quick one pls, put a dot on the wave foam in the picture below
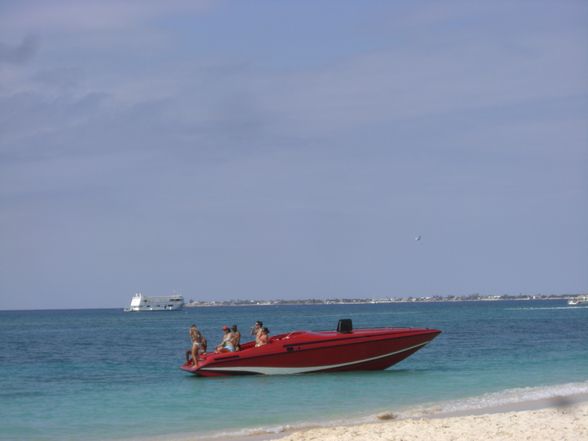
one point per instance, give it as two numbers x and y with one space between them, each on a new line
484 402
538 308
493 400
487 401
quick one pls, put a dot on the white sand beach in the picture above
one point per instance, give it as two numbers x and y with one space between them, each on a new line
564 421
563 418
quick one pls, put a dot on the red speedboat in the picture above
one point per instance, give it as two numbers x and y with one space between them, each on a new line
318 351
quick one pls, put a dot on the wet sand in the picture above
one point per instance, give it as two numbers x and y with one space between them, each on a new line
562 418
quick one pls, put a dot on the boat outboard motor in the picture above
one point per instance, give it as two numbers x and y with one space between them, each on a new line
345 326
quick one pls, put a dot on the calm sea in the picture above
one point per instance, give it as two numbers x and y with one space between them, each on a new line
104 374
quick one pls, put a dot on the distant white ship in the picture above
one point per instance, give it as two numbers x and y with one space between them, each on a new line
139 302
580 300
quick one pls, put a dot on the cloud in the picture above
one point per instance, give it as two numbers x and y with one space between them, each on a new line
62 79
142 130
72 15
392 85
20 53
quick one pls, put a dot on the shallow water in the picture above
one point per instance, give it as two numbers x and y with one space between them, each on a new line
104 374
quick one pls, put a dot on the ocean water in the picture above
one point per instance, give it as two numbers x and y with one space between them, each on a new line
107 375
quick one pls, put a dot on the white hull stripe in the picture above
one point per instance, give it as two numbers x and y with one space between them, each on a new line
294 370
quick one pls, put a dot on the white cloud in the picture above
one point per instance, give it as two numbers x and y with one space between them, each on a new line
126 127
74 15
19 53
391 85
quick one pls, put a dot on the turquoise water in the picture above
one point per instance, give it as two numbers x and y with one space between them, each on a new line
103 374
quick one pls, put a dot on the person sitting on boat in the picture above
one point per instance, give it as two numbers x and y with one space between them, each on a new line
227 344
263 337
236 340
198 344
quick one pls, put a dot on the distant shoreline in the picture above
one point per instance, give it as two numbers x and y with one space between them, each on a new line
372 301
344 301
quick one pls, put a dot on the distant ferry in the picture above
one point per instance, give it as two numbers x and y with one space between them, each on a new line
580 300
139 302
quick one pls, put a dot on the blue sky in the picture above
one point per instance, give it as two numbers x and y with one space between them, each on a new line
269 149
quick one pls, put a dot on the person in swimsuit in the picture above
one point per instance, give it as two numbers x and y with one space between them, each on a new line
256 331
227 344
236 338
198 344
263 338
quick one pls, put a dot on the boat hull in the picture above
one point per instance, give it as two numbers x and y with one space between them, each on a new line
307 352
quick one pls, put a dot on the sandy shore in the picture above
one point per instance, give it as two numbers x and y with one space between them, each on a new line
564 421
561 418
